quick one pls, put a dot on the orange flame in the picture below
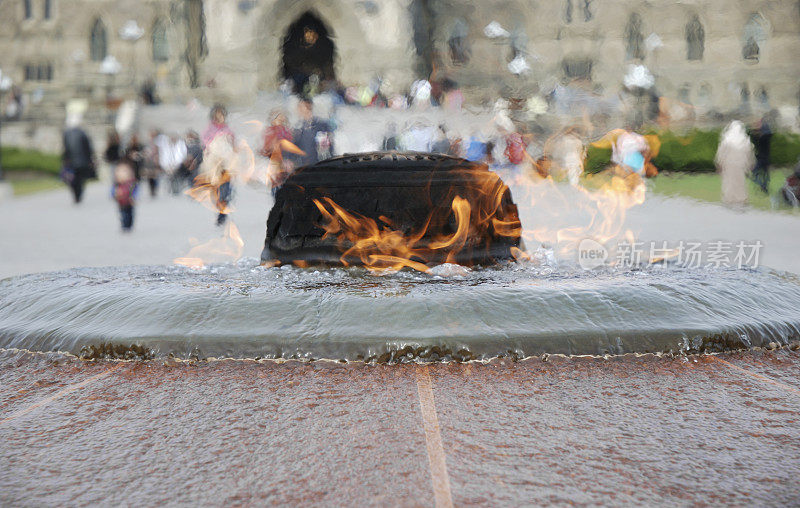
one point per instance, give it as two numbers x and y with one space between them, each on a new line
206 191
381 245
559 216
223 164
596 208
229 247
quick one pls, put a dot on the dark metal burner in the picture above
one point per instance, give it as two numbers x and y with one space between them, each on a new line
401 189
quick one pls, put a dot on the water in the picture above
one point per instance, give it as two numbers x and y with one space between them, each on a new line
246 311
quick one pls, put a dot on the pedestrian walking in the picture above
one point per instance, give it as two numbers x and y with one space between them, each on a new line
135 155
734 160
313 136
194 158
277 138
124 191
151 161
78 157
219 145
762 139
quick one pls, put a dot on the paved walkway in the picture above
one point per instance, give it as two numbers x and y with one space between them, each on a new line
47 232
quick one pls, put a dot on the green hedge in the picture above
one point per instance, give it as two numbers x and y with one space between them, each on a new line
597 159
18 159
695 151
785 149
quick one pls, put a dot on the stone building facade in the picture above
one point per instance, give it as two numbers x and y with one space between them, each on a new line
714 54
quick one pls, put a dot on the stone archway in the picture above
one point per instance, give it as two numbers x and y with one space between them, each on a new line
343 28
307 50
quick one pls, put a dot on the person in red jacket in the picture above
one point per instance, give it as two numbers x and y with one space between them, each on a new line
278 138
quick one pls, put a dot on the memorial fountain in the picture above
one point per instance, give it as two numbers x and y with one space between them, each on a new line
388 257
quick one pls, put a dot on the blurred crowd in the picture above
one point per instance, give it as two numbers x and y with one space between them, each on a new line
201 163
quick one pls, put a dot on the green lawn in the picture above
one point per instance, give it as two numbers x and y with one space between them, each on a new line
23 187
19 159
706 187
30 171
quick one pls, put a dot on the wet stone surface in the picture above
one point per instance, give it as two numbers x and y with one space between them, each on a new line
628 430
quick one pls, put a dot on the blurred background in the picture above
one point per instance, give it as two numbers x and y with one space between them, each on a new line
404 74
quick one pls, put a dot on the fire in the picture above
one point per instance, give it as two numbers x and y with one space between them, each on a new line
226 248
556 215
226 164
564 215
206 192
595 208
381 245
223 164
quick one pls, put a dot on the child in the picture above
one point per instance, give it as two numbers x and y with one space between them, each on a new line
124 192
276 132
219 145
278 138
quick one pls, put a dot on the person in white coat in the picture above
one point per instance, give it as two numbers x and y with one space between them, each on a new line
734 160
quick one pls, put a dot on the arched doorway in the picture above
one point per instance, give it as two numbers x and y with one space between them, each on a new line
307 50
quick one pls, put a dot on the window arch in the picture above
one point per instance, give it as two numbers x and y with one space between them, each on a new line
704 95
587 10
684 93
159 41
458 43
754 36
518 42
763 97
579 68
744 95
634 40
695 39
196 47
98 48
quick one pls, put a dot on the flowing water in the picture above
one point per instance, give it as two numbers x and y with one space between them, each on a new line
246 311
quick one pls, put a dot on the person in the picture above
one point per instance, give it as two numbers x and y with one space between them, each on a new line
78 157
151 161
452 99
791 188
171 154
219 144
476 148
312 137
148 92
134 154
421 93
762 138
515 147
419 137
441 144
276 132
566 155
390 139
113 152
123 191
734 159
13 107
630 152
194 158
277 138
